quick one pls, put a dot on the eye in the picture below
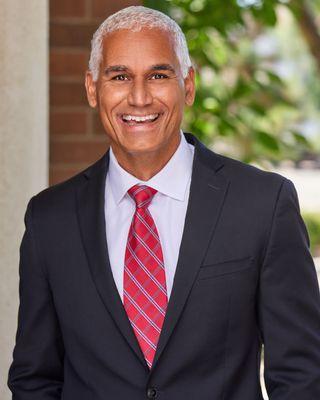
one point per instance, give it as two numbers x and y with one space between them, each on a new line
159 76
120 77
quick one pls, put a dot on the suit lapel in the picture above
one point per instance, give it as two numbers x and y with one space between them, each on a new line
90 199
207 193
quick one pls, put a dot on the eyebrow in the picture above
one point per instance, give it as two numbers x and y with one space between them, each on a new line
162 67
123 68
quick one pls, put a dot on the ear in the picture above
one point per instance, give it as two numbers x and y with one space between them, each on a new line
190 87
91 88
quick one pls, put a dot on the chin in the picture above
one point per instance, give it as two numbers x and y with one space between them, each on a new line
143 149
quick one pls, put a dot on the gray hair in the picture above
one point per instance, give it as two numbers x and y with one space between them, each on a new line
135 18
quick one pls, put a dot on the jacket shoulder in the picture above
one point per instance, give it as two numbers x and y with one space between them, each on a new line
59 197
247 174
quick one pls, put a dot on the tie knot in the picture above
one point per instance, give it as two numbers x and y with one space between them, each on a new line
142 195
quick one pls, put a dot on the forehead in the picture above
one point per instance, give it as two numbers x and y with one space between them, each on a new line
145 46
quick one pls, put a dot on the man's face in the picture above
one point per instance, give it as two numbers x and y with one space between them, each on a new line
140 92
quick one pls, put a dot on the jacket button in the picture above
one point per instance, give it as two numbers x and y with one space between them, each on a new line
151 393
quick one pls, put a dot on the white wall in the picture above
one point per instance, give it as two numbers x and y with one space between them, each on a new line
23 146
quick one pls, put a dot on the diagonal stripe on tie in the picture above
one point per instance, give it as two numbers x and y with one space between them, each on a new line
141 311
150 228
142 290
150 275
144 244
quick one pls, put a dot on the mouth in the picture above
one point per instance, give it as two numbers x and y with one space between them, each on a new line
139 120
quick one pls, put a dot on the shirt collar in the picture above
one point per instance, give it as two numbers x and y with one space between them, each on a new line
171 180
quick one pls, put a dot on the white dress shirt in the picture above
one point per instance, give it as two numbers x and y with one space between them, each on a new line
168 209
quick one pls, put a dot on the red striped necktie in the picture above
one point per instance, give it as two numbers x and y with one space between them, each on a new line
144 284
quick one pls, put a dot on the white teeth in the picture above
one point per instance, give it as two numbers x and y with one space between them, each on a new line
140 119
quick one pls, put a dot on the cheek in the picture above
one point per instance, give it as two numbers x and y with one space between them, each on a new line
172 97
109 97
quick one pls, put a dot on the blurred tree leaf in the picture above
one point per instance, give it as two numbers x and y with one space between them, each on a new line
313 225
267 141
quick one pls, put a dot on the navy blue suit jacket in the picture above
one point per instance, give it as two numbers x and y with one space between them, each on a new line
245 277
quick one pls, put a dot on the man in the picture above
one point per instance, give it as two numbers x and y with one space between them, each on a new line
160 270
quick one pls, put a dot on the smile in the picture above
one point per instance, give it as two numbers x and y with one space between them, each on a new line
139 119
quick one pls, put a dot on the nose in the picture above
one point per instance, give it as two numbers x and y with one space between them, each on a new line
139 94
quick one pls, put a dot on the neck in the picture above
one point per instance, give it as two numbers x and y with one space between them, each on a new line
145 166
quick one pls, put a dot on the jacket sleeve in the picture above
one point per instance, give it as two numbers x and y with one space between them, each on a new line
36 372
289 306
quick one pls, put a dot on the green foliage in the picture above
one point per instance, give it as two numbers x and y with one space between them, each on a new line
241 101
313 226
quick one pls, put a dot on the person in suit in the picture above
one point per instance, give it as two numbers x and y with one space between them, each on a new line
161 270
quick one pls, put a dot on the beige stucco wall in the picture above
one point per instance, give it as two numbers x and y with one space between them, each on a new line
23 145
